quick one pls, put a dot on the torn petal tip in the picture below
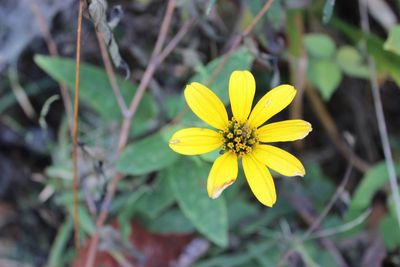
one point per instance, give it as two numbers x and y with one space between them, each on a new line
299 174
218 191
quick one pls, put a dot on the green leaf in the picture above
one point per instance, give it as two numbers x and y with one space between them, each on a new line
121 201
386 62
128 210
350 61
264 258
158 198
391 203
188 182
389 229
95 89
373 180
266 219
131 201
171 221
325 75
328 10
240 209
392 43
389 226
211 156
312 255
85 220
319 46
304 250
173 105
319 187
245 257
149 154
59 244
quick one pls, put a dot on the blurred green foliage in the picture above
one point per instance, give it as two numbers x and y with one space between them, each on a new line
167 192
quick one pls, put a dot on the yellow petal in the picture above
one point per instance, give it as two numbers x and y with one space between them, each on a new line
270 104
223 173
242 88
289 130
260 180
279 160
195 141
206 105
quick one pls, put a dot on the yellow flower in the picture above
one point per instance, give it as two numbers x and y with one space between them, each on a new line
243 136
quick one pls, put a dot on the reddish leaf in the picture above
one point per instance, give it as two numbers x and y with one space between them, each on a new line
157 249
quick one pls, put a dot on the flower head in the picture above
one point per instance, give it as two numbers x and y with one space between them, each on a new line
243 136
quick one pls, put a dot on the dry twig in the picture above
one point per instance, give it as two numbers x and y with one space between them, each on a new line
75 128
151 67
111 75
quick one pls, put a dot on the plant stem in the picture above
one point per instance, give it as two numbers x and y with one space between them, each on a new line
111 75
363 6
75 127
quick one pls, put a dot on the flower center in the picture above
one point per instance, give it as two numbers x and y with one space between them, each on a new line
238 138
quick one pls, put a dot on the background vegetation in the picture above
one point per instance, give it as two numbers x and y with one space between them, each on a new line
150 204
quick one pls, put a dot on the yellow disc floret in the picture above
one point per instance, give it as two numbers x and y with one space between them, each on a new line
238 138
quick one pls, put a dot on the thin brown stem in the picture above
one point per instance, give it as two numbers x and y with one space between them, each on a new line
91 255
164 28
44 28
148 74
175 40
126 125
111 75
75 126
258 17
52 48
